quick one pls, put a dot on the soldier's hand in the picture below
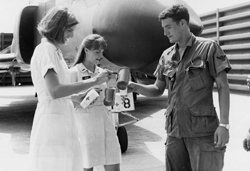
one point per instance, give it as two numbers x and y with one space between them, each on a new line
131 87
221 137
246 143
248 82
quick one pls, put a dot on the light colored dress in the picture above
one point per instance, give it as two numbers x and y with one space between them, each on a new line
54 144
100 145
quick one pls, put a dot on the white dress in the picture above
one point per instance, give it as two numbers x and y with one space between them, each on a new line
100 145
54 144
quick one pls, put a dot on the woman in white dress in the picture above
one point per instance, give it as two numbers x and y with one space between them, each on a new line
100 145
55 144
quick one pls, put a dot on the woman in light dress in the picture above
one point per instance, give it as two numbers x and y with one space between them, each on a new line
100 145
54 144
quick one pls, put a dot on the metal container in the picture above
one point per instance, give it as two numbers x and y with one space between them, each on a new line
109 99
123 78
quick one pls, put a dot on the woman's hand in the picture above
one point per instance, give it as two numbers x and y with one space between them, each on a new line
98 90
102 77
77 98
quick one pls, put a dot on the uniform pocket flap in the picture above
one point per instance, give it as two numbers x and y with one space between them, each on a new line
203 110
196 63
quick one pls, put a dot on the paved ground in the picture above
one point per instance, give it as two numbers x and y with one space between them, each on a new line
146 137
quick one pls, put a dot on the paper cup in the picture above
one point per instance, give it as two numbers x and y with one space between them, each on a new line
89 98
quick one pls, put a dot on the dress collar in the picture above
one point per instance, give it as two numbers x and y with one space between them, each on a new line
82 68
57 49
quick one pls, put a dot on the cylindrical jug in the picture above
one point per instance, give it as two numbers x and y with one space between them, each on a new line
109 99
123 78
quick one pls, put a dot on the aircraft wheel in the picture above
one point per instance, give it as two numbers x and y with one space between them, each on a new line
123 138
135 96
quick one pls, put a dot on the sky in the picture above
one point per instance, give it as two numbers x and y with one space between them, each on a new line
10 8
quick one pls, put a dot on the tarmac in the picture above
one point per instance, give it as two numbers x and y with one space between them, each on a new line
146 137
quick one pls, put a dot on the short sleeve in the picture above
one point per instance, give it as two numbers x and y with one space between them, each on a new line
48 62
160 69
73 74
217 60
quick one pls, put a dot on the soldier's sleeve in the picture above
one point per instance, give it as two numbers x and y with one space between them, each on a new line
159 70
217 60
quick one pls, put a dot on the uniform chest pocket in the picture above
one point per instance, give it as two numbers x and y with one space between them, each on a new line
196 71
197 79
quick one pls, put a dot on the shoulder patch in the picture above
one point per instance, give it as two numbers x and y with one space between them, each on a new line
223 57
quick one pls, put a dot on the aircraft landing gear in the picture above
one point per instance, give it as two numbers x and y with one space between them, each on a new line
121 130
123 138
13 71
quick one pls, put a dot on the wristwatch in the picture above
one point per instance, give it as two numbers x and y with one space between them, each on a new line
227 126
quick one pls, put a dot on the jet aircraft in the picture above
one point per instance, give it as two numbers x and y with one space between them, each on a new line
131 27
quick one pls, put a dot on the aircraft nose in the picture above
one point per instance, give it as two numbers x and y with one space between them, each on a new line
134 24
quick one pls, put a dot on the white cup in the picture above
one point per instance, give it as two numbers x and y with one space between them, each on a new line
89 98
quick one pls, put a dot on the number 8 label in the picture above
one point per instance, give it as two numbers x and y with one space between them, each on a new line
123 103
126 103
